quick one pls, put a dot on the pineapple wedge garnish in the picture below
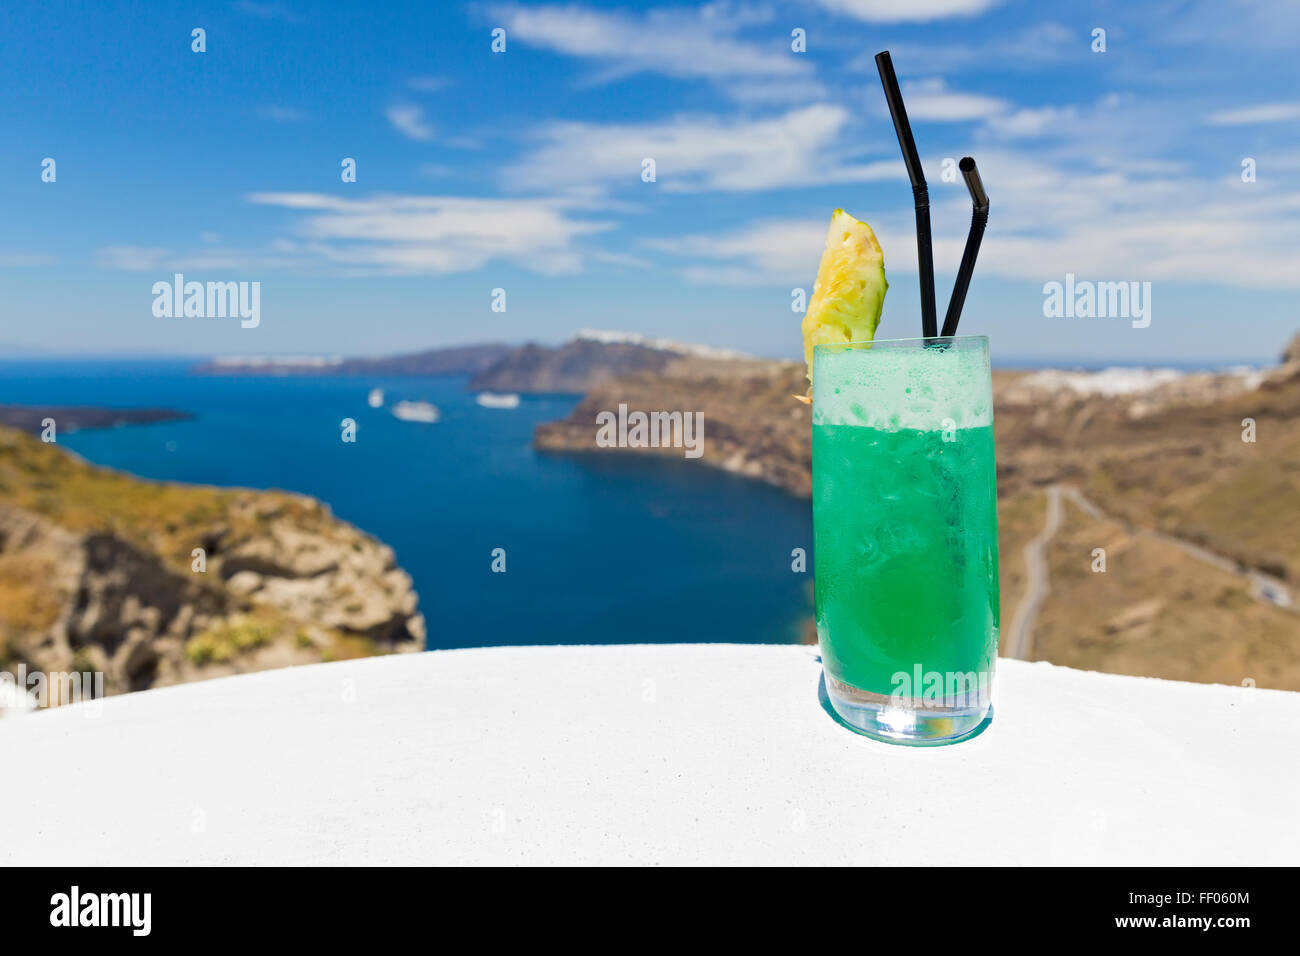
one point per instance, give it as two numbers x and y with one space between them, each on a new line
850 289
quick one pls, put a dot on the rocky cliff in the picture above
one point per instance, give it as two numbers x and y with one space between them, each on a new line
574 367
752 425
156 583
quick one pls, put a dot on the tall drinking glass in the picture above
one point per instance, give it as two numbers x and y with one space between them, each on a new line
905 532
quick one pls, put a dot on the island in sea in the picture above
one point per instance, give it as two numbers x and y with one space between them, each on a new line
35 419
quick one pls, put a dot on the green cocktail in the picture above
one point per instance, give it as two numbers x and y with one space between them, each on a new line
905 534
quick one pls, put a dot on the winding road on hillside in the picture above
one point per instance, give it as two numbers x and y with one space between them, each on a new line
1264 588
1037 580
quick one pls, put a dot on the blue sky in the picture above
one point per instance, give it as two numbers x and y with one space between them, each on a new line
522 170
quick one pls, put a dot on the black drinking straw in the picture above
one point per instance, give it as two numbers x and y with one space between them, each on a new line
979 219
920 192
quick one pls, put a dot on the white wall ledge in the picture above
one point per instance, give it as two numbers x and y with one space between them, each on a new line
676 754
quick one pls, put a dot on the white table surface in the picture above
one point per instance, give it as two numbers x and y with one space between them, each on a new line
673 754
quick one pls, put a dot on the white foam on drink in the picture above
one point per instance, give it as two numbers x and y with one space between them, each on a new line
891 388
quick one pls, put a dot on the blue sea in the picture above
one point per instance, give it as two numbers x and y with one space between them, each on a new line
599 549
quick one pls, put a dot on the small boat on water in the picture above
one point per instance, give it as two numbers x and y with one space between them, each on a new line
497 400
425 412
376 398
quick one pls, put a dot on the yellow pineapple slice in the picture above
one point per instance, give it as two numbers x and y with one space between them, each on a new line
850 288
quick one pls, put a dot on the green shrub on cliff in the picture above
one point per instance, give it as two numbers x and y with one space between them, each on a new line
227 640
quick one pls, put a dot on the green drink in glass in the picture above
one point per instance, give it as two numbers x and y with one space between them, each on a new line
905 535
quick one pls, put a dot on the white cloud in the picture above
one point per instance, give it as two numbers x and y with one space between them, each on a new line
1253 26
1030 122
765 251
1288 160
900 11
1030 49
409 120
1045 221
1266 113
437 234
673 41
698 153
932 100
